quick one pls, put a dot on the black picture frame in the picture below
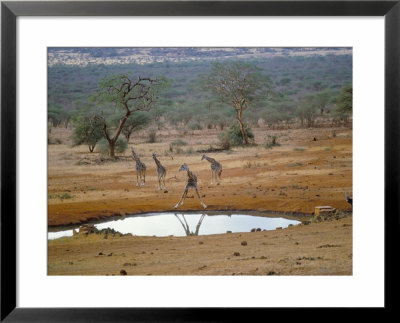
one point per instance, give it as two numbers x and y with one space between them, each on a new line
10 10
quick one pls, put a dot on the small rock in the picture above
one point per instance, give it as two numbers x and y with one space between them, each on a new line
244 243
236 254
228 231
86 228
253 230
123 272
101 254
165 191
201 242
258 229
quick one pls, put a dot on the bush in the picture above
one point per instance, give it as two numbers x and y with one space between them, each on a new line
56 141
189 151
233 136
152 136
178 142
224 140
104 148
271 142
87 131
195 126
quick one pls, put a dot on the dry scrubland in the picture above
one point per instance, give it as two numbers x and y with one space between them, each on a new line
294 177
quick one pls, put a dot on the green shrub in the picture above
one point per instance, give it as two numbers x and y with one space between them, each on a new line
103 146
234 137
61 196
194 125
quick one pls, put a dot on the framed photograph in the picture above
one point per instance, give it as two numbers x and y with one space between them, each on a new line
172 160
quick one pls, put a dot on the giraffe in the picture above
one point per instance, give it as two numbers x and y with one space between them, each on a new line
186 226
161 172
191 182
216 169
140 169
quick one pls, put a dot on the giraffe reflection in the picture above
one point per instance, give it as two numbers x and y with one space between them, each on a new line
186 226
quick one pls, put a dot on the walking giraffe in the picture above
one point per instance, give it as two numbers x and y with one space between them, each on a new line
191 182
216 169
140 169
161 172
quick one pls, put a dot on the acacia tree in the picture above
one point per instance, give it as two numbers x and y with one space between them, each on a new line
344 104
238 85
307 110
87 130
345 100
124 93
135 122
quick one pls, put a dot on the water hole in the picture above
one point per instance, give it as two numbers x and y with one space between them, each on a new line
184 224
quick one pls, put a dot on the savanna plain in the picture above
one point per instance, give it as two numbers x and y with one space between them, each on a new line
311 167
278 120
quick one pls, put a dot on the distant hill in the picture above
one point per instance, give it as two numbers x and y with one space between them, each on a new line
83 56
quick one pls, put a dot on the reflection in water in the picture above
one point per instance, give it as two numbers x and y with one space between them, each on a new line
186 226
165 224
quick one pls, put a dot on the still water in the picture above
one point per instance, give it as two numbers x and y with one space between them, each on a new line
179 224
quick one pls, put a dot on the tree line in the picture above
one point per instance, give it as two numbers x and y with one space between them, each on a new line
227 93
122 103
